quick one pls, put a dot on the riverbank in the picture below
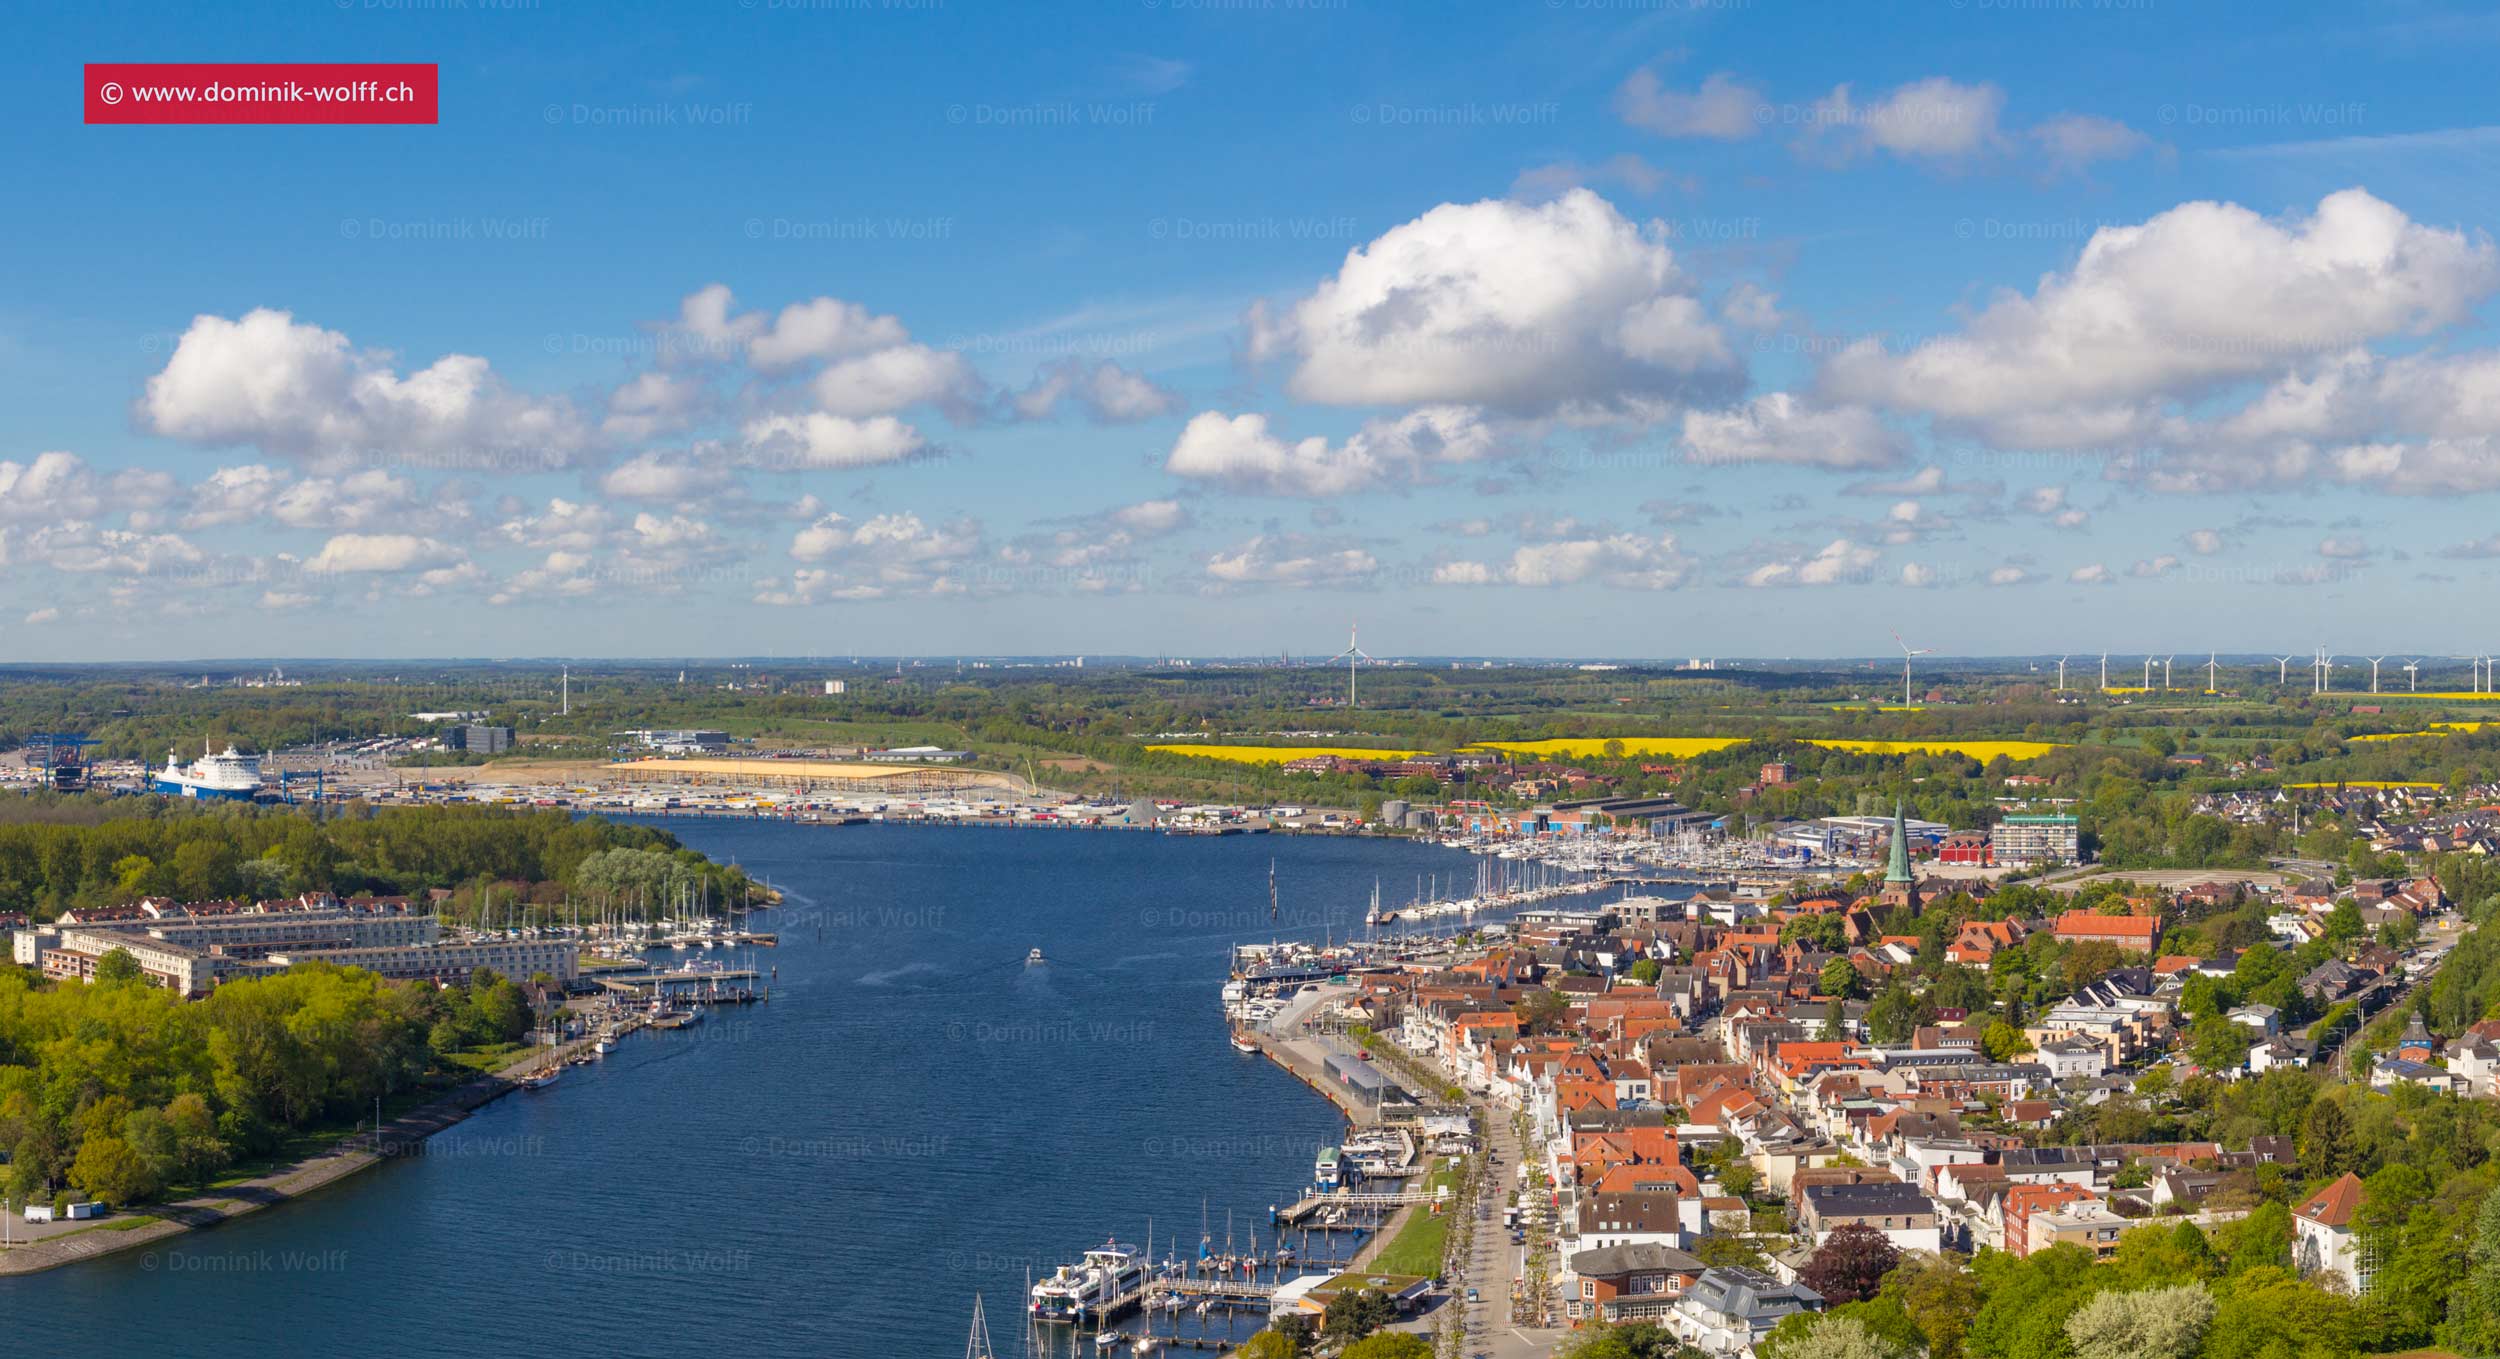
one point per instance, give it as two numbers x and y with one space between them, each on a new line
401 1136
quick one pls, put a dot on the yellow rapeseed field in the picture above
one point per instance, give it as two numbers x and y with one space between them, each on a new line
1281 754
1681 747
2366 783
2437 729
1982 751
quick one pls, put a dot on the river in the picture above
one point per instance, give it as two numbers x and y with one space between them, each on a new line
916 1116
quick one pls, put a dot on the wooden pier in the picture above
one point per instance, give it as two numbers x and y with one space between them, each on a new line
1313 1204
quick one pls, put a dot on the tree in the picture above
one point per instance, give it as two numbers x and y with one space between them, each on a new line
2326 1147
1939 1296
1390 1345
2474 1304
1850 1264
1355 1314
2157 1323
1646 971
118 968
112 1170
2003 1041
1807 1335
1631 1340
1541 1011
1839 979
2266 1314
1270 1345
2261 1240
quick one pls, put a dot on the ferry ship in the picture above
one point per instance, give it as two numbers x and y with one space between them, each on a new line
1109 1279
232 776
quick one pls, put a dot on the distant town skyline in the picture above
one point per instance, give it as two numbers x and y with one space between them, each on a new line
1199 330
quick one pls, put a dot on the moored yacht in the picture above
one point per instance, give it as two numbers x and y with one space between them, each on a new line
1108 1279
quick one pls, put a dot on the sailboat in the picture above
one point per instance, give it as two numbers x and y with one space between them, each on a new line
977 1345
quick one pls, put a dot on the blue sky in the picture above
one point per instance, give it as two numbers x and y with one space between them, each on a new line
1202 327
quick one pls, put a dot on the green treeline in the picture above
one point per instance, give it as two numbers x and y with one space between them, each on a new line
120 1091
58 852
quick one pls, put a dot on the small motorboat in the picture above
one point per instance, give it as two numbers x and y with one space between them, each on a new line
1033 958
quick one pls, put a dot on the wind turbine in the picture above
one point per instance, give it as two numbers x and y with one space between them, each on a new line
2413 676
2165 670
2061 674
2282 672
1906 654
2148 674
2374 660
2212 685
1352 655
2104 671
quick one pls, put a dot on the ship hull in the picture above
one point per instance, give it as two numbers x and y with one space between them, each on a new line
176 788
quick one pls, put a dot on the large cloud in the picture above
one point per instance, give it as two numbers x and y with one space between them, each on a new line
1291 560
1780 428
2201 296
1840 562
1239 451
1564 307
51 486
1623 560
887 554
301 392
370 553
819 441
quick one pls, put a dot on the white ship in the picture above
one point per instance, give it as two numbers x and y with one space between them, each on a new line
1106 1281
232 776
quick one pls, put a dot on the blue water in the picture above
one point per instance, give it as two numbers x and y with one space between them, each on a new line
916 1116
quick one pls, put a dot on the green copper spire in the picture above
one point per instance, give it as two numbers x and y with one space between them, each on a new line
1899 869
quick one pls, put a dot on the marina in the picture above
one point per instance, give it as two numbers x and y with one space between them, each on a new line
867 1093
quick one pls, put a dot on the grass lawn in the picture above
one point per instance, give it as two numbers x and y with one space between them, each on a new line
1417 1247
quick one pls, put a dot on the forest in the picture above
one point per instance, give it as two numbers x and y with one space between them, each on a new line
121 1091
58 852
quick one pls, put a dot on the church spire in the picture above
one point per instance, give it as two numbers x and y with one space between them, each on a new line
1898 869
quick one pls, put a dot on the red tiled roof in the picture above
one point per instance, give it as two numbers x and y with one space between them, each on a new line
2333 1206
